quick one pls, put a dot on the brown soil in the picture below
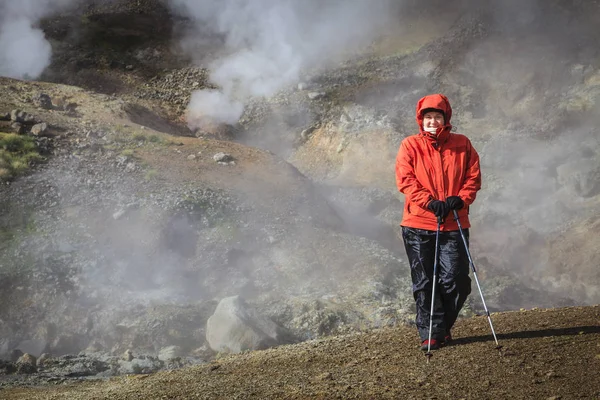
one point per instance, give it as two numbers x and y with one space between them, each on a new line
546 354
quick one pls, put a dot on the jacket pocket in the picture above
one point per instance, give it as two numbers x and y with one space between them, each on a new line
416 210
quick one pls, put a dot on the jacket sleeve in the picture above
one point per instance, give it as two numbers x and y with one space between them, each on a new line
472 182
406 180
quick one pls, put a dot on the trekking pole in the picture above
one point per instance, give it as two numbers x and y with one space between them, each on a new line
498 347
435 264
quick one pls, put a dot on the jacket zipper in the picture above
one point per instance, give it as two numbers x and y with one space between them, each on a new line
442 174
441 182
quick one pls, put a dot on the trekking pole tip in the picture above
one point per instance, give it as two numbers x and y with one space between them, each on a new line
429 354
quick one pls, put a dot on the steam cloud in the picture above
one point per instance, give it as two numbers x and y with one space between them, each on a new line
24 51
269 43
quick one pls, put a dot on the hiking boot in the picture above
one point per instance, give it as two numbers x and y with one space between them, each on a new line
447 338
430 344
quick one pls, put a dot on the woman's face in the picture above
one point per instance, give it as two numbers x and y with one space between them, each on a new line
433 119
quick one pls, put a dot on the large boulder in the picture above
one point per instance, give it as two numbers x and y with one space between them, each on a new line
235 327
26 364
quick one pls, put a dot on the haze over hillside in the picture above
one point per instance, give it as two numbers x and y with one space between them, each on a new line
201 150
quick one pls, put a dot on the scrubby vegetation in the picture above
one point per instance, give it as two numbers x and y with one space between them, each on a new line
17 154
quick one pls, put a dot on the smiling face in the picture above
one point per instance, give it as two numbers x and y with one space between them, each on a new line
432 120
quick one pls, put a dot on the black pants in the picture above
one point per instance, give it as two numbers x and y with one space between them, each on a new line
453 285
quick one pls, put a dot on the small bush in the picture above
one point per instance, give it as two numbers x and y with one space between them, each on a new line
16 143
17 154
127 153
151 174
139 137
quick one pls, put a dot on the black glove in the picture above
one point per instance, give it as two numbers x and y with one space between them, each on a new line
455 203
439 208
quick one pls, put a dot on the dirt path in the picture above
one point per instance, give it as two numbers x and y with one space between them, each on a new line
547 354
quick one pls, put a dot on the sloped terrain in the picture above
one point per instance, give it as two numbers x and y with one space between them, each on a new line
121 242
546 354
122 218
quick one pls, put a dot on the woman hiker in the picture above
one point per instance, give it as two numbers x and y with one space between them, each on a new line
438 171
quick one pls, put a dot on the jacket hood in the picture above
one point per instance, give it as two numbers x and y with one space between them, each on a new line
437 101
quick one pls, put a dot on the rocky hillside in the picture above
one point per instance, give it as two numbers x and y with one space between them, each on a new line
166 192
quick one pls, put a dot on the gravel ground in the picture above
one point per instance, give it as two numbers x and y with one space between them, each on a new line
546 354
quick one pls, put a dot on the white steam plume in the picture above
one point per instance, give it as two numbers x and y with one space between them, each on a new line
269 43
24 51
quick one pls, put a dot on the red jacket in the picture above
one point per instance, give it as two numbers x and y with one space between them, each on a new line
430 167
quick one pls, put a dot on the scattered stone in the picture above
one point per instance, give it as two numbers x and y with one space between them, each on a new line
17 128
145 365
130 167
122 160
223 158
170 353
213 130
21 116
39 129
70 109
43 100
26 364
191 157
304 86
203 352
43 359
59 103
316 95
127 355
44 145
98 134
